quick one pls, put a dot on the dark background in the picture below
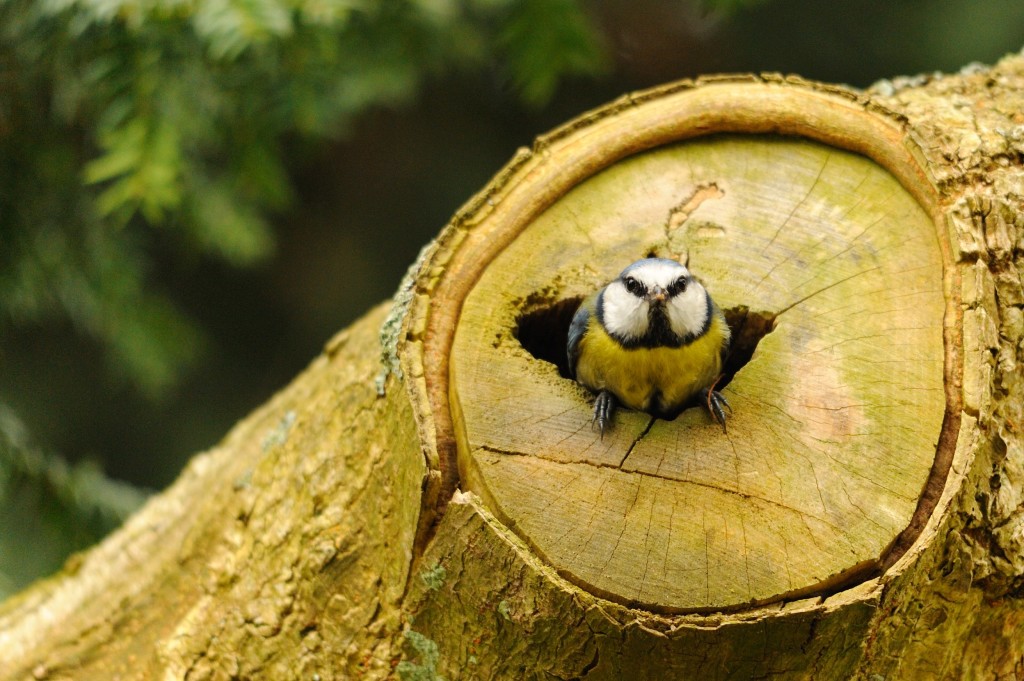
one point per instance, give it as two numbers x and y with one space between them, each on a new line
366 204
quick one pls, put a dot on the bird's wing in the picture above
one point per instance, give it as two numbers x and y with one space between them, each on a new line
727 343
576 330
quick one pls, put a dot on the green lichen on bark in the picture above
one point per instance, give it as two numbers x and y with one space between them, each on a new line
426 652
392 327
433 576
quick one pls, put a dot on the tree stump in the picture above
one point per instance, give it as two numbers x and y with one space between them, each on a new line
457 517
837 411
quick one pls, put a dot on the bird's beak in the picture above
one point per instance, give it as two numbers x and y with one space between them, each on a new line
657 295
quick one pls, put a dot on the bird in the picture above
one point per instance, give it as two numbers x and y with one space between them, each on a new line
650 340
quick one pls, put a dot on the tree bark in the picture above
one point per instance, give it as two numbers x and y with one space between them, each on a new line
454 516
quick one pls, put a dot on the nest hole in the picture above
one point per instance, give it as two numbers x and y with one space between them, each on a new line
544 332
748 327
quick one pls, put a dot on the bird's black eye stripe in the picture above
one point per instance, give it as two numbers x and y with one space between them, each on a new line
634 286
677 286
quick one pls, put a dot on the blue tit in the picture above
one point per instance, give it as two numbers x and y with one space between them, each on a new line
650 340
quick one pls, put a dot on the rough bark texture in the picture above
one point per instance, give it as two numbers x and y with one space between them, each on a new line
322 538
282 553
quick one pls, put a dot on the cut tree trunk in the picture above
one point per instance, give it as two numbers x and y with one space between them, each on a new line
835 417
429 500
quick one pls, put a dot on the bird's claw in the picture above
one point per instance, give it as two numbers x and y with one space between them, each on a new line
604 407
714 401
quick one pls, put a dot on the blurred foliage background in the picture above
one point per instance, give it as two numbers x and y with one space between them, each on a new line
195 194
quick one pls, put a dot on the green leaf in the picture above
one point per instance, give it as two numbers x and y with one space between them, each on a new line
729 7
151 342
547 40
231 26
124 115
124 150
222 224
50 509
143 158
330 12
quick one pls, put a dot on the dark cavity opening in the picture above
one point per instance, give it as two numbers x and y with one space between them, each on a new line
544 332
748 328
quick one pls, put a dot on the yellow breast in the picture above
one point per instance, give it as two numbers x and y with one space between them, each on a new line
651 379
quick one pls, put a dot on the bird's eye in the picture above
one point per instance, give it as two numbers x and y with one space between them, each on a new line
634 286
677 286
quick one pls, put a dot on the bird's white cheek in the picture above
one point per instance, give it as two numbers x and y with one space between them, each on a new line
624 315
688 313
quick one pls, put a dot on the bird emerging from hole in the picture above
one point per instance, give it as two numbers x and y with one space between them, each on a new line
651 340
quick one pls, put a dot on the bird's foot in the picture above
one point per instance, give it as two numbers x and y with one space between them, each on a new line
714 401
604 407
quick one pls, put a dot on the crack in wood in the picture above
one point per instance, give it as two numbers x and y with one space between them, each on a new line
707 556
650 424
826 288
622 531
645 474
810 190
647 546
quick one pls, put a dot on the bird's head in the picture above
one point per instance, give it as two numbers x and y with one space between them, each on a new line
654 301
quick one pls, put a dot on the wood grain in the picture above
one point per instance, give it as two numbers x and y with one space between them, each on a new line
836 416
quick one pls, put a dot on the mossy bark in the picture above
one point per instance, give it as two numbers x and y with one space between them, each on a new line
364 525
